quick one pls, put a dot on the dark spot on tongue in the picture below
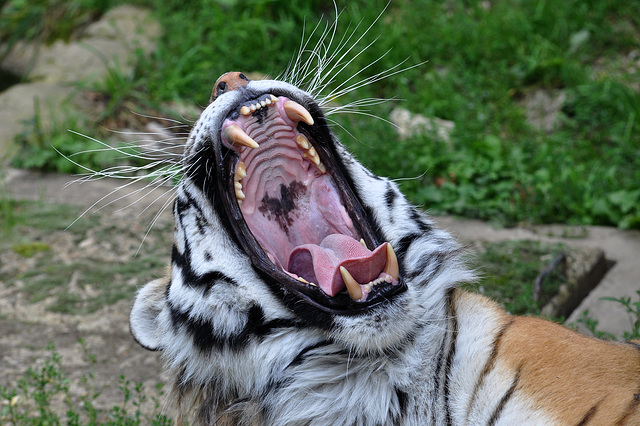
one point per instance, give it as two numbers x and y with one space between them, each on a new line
280 209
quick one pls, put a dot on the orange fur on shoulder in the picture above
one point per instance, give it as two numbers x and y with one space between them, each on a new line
575 377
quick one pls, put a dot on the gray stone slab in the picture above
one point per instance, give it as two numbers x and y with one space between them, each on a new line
18 105
619 246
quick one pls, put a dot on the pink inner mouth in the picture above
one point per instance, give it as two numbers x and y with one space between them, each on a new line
293 207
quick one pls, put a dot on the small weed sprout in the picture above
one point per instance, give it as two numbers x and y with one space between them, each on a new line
633 308
43 397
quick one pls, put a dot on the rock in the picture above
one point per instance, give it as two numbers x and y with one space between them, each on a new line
584 269
409 125
110 42
130 25
18 105
52 71
542 108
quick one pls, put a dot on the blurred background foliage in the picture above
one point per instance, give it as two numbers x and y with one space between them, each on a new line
484 59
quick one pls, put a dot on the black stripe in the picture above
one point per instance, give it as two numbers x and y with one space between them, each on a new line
505 398
631 408
201 222
201 174
429 261
488 366
423 225
403 245
257 327
589 415
402 402
202 281
438 373
201 331
302 354
204 338
450 355
390 196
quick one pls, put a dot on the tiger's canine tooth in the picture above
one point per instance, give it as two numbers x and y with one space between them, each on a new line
322 168
297 112
302 141
392 267
245 110
236 136
355 292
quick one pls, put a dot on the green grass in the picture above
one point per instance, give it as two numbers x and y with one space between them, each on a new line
509 270
483 58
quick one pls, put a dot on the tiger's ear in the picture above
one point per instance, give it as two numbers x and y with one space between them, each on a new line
144 321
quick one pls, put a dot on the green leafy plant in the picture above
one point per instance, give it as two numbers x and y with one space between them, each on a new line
44 397
632 308
53 147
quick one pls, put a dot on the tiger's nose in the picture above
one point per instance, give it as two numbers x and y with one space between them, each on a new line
229 81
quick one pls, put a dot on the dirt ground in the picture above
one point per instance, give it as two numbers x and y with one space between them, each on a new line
61 285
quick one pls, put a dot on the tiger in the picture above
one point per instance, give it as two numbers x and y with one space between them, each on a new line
304 289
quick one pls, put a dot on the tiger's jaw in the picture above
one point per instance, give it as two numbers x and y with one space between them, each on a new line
291 205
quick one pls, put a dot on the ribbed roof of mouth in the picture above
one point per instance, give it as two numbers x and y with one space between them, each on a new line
285 187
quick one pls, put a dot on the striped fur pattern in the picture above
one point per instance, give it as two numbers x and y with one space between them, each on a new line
244 354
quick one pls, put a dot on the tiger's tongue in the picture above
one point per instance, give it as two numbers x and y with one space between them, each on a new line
320 264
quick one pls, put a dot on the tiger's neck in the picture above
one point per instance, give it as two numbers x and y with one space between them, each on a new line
300 376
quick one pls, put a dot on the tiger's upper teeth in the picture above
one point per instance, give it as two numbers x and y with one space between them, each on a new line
297 112
236 136
310 152
302 141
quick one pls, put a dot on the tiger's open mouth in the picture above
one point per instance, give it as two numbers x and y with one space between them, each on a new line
294 212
